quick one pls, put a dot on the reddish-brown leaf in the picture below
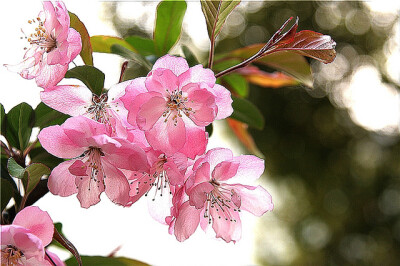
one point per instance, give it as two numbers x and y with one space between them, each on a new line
264 79
240 130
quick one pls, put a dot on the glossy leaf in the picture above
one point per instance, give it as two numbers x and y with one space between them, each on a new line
102 43
57 236
2 119
129 54
86 52
46 116
246 112
35 172
7 192
264 79
216 13
168 26
210 130
288 61
14 169
241 131
106 261
19 123
40 155
92 77
237 83
143 46
190 57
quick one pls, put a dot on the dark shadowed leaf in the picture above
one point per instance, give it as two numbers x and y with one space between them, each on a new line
14 169
35 172
19 122
142 45
216 13
106 261
86 52
40 155
209 129
246 112
236 83
102 43
7 192
2 119
168 26
129 54
92 77
46 116
190 57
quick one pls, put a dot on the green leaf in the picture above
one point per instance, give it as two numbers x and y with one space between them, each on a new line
92 77
86 52
143 46
105 261
190 57
246 112
129 54
102 43
2 119
15 169
19 123
46 116
210 129
168 25
40 155
35 172
216 13
238 83
7 192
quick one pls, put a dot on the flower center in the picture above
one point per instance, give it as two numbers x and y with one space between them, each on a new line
11 255
94 163
176 105
98 109
220 203
43 39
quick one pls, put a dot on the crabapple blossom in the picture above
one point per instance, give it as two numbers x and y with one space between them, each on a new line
96 161
174 103
53 46
215 197
159 182
23 242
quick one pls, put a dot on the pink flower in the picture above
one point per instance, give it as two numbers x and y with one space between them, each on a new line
164 176
23 242
96 160
53 46
77 100
174 103
215 200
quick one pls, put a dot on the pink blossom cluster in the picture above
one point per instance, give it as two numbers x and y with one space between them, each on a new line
144 137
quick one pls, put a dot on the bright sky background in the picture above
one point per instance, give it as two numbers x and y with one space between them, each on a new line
138 235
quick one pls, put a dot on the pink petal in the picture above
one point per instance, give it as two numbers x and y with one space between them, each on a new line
89 190
150 112
175 176
56 142
78 168
134 106
198 194
255 200
159 205
196 139
225 170
72 100
28 243
223 100
250 168
177 65
74 45
140 186
203 105
37 221
50 75
203 173
54 258
227 225
216 156
197 74
61 182
163 81
117 186
133 88
129 156
187 221
167 136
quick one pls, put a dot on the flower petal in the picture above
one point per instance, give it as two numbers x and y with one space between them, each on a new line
250 168
227 225
177 65
198 194
72 100
187 221
117 186
225 170
37 221
150 112
61 182
163 81
89 190
223 100
197 74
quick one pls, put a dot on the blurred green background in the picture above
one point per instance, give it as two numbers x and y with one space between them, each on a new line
332 158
